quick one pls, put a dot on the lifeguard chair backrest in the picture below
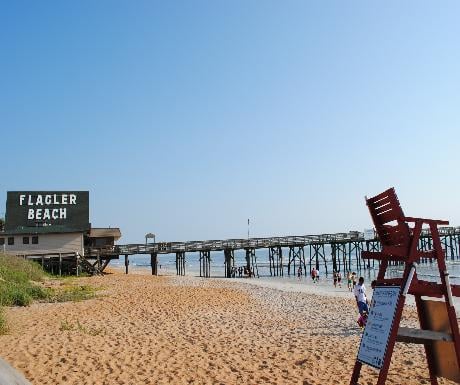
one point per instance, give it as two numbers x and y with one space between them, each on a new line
389 222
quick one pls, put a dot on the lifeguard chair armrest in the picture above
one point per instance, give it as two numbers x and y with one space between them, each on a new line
421 288
424 220
431 289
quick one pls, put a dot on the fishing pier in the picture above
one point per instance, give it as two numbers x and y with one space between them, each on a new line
285 254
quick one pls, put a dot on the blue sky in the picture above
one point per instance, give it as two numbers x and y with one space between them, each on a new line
185 118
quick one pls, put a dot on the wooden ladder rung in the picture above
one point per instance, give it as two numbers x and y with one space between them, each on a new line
420 336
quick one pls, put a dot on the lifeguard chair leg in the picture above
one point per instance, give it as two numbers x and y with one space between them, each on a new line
356 371
382 270
447 290
428 353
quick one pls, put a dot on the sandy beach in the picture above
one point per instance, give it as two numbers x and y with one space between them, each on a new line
186 330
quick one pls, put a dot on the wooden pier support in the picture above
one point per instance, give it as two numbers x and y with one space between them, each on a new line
297 253
77 262
126 263
180 263
318 252
229 262
205 264
375 247
251 262
154 263
275 258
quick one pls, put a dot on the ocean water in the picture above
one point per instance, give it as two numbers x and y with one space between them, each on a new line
167 265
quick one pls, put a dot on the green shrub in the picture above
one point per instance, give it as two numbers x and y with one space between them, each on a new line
17 286
20 284
73 293
20 270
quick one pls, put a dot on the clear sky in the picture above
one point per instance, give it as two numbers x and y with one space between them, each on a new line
186 118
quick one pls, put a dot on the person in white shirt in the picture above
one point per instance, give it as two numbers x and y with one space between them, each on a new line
360 294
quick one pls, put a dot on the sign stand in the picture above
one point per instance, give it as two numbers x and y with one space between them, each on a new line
439 331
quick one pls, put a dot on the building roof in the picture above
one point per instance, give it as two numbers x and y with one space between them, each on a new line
53 229
102 232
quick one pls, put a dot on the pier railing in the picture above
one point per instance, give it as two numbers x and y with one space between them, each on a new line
242 244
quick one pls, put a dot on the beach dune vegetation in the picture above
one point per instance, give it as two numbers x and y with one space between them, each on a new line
23 281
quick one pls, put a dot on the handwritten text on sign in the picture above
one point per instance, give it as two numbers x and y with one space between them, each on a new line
377 331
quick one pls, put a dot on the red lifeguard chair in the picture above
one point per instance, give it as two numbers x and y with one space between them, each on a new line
439 330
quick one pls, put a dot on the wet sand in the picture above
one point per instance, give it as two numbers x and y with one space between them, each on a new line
186 330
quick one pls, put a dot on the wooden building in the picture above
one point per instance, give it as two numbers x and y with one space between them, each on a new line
54 226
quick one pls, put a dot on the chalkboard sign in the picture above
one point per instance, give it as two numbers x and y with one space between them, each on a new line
45 208
375 337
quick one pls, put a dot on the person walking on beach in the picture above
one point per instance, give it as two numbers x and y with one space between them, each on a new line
339 279
360 295
353 278
350 281
334 275
299 272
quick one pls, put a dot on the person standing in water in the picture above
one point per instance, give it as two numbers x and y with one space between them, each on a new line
350 281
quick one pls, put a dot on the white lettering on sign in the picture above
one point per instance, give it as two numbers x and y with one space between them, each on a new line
42 214
45 200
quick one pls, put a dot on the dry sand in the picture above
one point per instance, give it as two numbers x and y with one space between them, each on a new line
185 330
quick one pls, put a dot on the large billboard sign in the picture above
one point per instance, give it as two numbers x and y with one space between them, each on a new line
44 208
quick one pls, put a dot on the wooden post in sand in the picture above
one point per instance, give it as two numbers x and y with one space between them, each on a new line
180 263
205 263
275 256
154 263
229 262
60 264
126 263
